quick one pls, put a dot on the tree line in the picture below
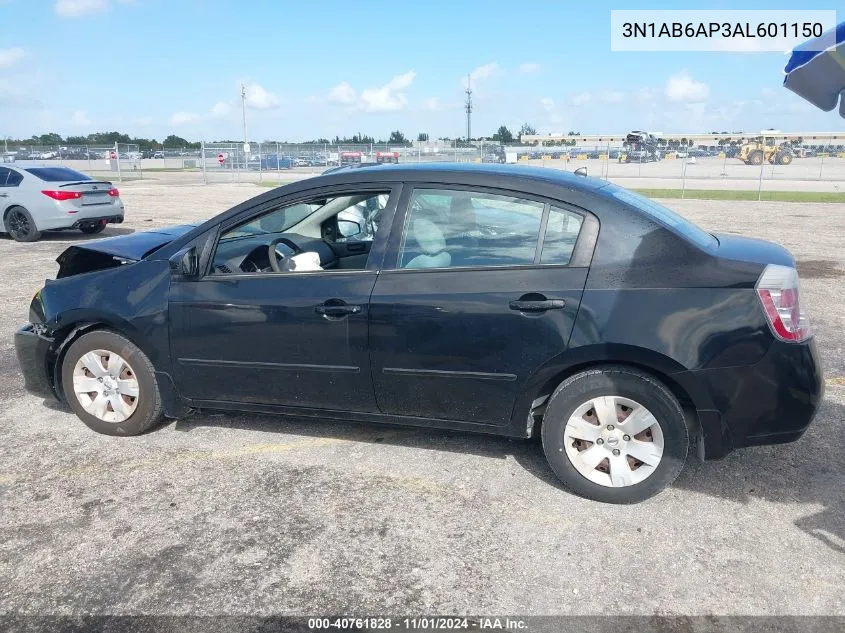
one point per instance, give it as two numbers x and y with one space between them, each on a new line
173 141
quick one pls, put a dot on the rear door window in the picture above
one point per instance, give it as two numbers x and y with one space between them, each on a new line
457 228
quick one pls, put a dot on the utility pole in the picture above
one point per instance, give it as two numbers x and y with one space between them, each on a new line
243 110
469 107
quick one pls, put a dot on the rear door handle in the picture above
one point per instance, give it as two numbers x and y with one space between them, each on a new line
537 306
336 310
4 195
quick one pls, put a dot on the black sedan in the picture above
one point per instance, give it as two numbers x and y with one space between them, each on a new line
516 301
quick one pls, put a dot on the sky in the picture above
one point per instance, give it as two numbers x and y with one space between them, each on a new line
322 68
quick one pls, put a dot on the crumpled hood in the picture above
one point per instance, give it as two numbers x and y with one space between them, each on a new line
135 245
114 251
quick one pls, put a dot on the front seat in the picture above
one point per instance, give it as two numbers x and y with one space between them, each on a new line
431 242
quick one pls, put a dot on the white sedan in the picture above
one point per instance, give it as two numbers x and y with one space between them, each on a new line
36 199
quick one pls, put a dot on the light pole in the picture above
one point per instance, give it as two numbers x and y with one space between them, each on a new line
243 108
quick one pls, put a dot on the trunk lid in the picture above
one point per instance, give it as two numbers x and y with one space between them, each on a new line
748 249
93 192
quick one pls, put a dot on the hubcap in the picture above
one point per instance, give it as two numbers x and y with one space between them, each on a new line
613 441
106 386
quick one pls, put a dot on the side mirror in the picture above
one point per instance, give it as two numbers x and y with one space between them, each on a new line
581 171
186 263
348 228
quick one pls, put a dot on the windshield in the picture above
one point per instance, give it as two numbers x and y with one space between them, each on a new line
275 222
57 174
666 217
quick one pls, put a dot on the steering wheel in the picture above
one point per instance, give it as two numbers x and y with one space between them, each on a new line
274 255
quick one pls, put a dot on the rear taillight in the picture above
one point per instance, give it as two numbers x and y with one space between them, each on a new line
62 195
778 292
114 193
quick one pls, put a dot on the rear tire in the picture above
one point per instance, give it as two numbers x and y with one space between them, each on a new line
92 229
597 425
110 384
20 225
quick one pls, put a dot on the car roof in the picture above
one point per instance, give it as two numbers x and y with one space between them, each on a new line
475 174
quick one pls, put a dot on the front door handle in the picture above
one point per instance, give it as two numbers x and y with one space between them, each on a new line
4 195
537 306
336 310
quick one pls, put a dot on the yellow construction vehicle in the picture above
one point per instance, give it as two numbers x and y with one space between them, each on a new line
754 153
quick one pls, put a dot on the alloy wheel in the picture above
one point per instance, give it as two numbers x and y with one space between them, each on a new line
18 224
106 386
613 441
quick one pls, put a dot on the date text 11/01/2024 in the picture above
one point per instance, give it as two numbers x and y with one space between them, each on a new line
419 623
721 29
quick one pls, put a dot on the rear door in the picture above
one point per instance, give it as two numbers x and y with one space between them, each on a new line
480 289
9 181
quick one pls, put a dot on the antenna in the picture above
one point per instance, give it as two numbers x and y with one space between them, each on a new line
469 106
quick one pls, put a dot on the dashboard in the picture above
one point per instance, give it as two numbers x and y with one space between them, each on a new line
249 254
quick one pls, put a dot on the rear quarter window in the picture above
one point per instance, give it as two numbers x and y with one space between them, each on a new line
57 174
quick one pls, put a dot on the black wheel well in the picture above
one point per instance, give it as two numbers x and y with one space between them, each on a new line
66 337
677 390
9 208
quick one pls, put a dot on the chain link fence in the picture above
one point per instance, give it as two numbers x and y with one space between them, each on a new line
811 166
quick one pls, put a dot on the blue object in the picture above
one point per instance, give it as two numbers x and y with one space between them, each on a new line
816 70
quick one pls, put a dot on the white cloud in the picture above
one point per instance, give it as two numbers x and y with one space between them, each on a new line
258 98
550 107
390 97
613 97
77 8
581 98
11 56
221 109
80 117
482 72
183 118
433 104
682 87
529 67
342 93
17 94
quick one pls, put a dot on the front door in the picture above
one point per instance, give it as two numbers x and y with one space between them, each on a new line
483 292
296 336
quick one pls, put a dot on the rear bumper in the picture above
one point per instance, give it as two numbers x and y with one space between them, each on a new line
770 402
33 351
64 215
108 219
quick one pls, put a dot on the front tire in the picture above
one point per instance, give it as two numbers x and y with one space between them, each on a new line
20 225
110 384
755 158
614 434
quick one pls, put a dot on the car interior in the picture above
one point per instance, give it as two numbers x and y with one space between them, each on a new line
461 228
334 233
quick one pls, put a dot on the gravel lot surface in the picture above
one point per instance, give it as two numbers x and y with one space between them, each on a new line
238 514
